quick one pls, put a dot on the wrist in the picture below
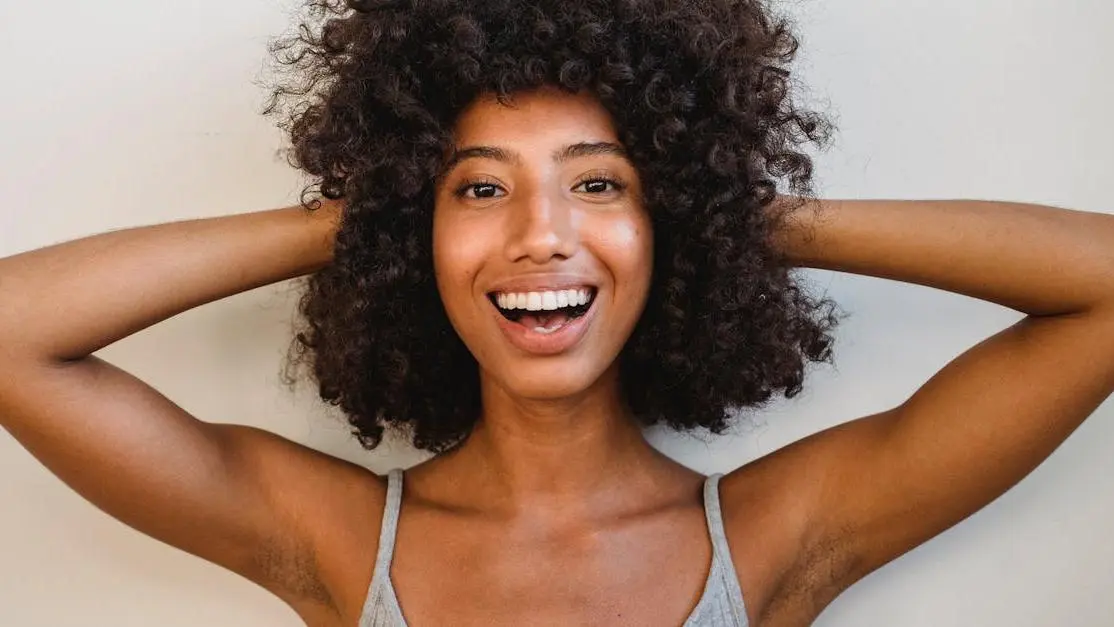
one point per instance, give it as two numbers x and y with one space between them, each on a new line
320 225
792 227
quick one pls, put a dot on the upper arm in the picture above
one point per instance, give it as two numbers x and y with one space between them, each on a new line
870 490
235 496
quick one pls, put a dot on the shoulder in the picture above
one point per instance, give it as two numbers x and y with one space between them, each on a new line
328 513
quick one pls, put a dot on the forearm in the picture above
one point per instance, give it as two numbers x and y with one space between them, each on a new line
71 299
1035 259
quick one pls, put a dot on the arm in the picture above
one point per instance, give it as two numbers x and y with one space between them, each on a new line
222 492
874 488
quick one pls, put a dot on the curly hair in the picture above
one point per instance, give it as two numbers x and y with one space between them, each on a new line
700 96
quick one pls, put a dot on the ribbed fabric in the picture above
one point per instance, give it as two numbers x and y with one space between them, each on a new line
721 604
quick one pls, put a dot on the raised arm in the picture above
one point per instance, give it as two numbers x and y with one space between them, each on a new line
222 492
869 490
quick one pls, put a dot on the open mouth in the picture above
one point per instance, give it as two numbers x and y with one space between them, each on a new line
544 312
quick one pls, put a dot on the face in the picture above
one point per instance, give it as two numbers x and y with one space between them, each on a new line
542 246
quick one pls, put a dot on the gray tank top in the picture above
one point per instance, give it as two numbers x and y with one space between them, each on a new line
721 604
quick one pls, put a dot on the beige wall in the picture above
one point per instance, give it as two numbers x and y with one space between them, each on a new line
121 112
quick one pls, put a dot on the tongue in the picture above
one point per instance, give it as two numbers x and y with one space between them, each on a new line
547 320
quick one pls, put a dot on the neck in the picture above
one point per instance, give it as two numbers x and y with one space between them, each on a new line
553 453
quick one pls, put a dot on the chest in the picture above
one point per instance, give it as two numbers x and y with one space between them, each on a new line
647 571
651 570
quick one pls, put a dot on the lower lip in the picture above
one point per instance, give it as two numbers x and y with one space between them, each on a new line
559 341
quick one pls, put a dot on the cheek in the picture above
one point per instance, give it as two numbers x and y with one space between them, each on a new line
458 253
629 248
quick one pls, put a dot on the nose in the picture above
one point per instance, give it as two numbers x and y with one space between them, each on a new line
542 228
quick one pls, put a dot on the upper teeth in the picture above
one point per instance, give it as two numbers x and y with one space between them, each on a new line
538 301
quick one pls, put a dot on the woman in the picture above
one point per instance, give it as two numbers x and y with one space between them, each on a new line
521 284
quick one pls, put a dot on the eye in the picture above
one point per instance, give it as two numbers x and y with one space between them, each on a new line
480 189
599 185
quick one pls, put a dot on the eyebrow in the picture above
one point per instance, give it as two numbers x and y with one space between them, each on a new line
572 151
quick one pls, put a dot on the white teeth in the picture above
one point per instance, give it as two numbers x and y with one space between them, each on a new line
534 301
543 301
549 301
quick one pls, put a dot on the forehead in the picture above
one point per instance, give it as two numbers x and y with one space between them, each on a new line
542 117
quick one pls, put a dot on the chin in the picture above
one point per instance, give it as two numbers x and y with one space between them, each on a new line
551 379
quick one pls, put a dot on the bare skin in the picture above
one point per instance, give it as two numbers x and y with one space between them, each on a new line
546 513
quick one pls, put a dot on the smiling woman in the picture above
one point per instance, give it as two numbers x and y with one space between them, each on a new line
545 226
601 141
552 209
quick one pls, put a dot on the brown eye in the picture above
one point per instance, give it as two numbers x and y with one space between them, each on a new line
485 190
478 189
600 185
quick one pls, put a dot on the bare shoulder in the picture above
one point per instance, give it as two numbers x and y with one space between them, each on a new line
327 511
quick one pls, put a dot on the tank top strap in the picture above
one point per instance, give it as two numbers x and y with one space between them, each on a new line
389 529
721 552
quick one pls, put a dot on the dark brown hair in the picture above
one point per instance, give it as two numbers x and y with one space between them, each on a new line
700 95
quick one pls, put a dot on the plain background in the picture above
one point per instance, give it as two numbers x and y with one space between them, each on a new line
121 112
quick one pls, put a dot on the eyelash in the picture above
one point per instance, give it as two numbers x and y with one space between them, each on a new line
599 178
595 178
472 183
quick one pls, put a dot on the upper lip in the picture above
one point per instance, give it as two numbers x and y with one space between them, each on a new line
541 283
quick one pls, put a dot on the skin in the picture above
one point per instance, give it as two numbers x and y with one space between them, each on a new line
557 476
541 219
557 467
